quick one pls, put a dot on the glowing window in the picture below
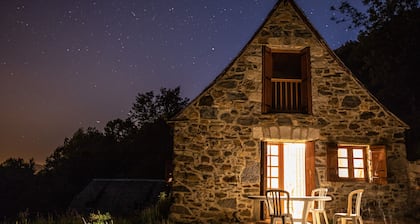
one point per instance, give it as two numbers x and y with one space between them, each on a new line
357 163
272 166
351 162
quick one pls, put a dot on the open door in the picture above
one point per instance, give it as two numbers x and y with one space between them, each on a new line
289 166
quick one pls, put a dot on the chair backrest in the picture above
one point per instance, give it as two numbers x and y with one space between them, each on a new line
320 204
353 205
275 200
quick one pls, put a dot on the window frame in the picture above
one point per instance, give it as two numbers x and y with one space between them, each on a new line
309 165
374 160
350 163
279 167
267 76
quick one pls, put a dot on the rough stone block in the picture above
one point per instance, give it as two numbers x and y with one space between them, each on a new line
285 132
296 133
274 132
313 134
251 173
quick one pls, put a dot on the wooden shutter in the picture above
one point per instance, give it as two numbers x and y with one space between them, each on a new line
266 80
306 81
332 161
263 169
263 176
379 168
310 167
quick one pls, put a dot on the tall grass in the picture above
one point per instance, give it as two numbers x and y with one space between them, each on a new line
69 217
155 214
158 213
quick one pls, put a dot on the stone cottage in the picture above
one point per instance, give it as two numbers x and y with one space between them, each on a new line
281 115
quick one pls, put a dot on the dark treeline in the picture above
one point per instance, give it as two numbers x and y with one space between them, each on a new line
137 147
385 58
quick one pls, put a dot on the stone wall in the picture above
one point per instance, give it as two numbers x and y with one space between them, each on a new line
414 174
217 142
414 197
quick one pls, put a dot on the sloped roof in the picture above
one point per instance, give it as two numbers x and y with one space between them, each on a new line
318 36
117 196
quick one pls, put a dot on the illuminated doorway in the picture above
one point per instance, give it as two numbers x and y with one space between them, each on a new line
289 166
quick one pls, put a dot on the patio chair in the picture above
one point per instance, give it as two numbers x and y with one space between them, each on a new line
278 206
353 209
317 207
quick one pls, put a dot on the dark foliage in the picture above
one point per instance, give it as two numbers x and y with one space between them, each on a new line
385 59
137 147
150 107
16 179
378 14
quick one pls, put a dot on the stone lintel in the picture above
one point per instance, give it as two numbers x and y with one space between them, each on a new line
285 133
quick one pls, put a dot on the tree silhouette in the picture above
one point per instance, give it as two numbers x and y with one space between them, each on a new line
16 182
138 147
149 107
121 130
378 14
385 59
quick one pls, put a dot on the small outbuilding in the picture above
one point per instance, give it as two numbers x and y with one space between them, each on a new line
118 196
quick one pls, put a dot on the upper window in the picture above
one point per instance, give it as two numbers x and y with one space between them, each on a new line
357 163
286 81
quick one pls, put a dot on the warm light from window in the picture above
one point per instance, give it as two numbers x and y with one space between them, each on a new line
343 165
358 153
350 162
358 163
272 166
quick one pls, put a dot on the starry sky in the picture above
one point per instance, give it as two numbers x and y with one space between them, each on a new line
69 64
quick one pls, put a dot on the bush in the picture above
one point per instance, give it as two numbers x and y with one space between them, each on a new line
158 213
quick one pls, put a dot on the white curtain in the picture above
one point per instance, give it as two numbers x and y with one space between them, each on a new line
294 174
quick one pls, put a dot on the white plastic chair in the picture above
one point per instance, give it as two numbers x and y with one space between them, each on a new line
317 207
353 209
275 200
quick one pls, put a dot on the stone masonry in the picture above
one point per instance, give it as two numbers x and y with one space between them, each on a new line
414 194
217 138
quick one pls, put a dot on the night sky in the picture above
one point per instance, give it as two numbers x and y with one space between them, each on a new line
69 64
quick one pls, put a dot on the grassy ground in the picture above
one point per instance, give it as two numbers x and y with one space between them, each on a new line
156 214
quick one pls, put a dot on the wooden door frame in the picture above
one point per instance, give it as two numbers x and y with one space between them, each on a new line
309 166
